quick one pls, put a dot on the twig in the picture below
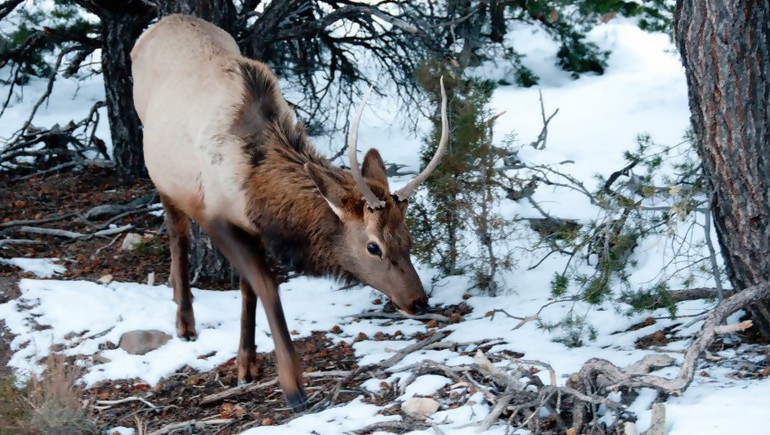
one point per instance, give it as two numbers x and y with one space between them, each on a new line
713 256
540 142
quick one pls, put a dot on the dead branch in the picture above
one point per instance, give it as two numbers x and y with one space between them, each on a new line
106 404
733 328
72 235
249 388
9 242
191 426
401 316
616 378
539 143
55 232
35 221
685 295
400 426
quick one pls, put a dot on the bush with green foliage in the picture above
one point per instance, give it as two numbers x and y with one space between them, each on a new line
479 29
635 202
455 224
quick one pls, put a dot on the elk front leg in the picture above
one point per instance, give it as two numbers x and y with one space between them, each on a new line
247 353
178 227
244 253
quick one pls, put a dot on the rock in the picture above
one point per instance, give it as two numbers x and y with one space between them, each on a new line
100 359
131 241
139 342
106 279
420 408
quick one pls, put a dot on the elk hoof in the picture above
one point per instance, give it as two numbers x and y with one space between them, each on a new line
187 334
185 325
248 370
297 401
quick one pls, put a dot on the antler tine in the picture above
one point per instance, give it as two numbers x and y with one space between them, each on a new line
371 199
407 191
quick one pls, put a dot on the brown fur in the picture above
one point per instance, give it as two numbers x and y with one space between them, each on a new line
223 148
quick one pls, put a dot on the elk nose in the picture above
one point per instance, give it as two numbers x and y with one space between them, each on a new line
420 306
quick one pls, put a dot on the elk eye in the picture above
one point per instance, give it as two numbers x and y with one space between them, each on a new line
374 249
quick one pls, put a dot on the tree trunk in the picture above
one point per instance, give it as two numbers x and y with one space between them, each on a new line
122 23
208 266
219 12
725 47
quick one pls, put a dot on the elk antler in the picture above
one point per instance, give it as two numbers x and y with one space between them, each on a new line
405 192
371 199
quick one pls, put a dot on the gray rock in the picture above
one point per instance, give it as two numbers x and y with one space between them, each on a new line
139 342
131 241
420 408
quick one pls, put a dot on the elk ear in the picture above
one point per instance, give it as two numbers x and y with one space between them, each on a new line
374 168
331 190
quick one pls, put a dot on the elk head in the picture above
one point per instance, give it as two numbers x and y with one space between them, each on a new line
375 239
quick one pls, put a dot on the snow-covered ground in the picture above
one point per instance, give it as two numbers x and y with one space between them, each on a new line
643 90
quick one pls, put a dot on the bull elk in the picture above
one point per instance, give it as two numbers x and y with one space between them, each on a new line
223 148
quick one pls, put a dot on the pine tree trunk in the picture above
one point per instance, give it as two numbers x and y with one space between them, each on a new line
725 47
208 266
122 23
219 12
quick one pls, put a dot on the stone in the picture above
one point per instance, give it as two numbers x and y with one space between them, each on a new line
106 279
139 342
420 408
131 241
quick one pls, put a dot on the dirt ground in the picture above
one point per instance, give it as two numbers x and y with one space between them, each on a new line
66 199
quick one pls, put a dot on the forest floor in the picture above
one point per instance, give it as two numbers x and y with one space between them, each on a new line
62 202
65 202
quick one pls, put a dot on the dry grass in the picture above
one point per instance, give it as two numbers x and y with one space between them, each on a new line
13 408
48 404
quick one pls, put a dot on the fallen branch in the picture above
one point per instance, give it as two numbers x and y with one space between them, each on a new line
397 425
616 378
191 425
36 221
401 316
734 327
4 242
249 388
684 295
110 403
56 232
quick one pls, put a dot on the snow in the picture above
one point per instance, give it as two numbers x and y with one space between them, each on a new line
643 90
331 421
40 267
425 386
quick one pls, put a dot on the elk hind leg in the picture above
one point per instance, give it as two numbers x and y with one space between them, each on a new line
248 370
178 226
243 252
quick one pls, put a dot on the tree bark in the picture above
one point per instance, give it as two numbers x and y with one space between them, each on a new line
725 48
122 22
119 31
219 12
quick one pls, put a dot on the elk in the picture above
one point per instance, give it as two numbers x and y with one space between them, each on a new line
223 148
